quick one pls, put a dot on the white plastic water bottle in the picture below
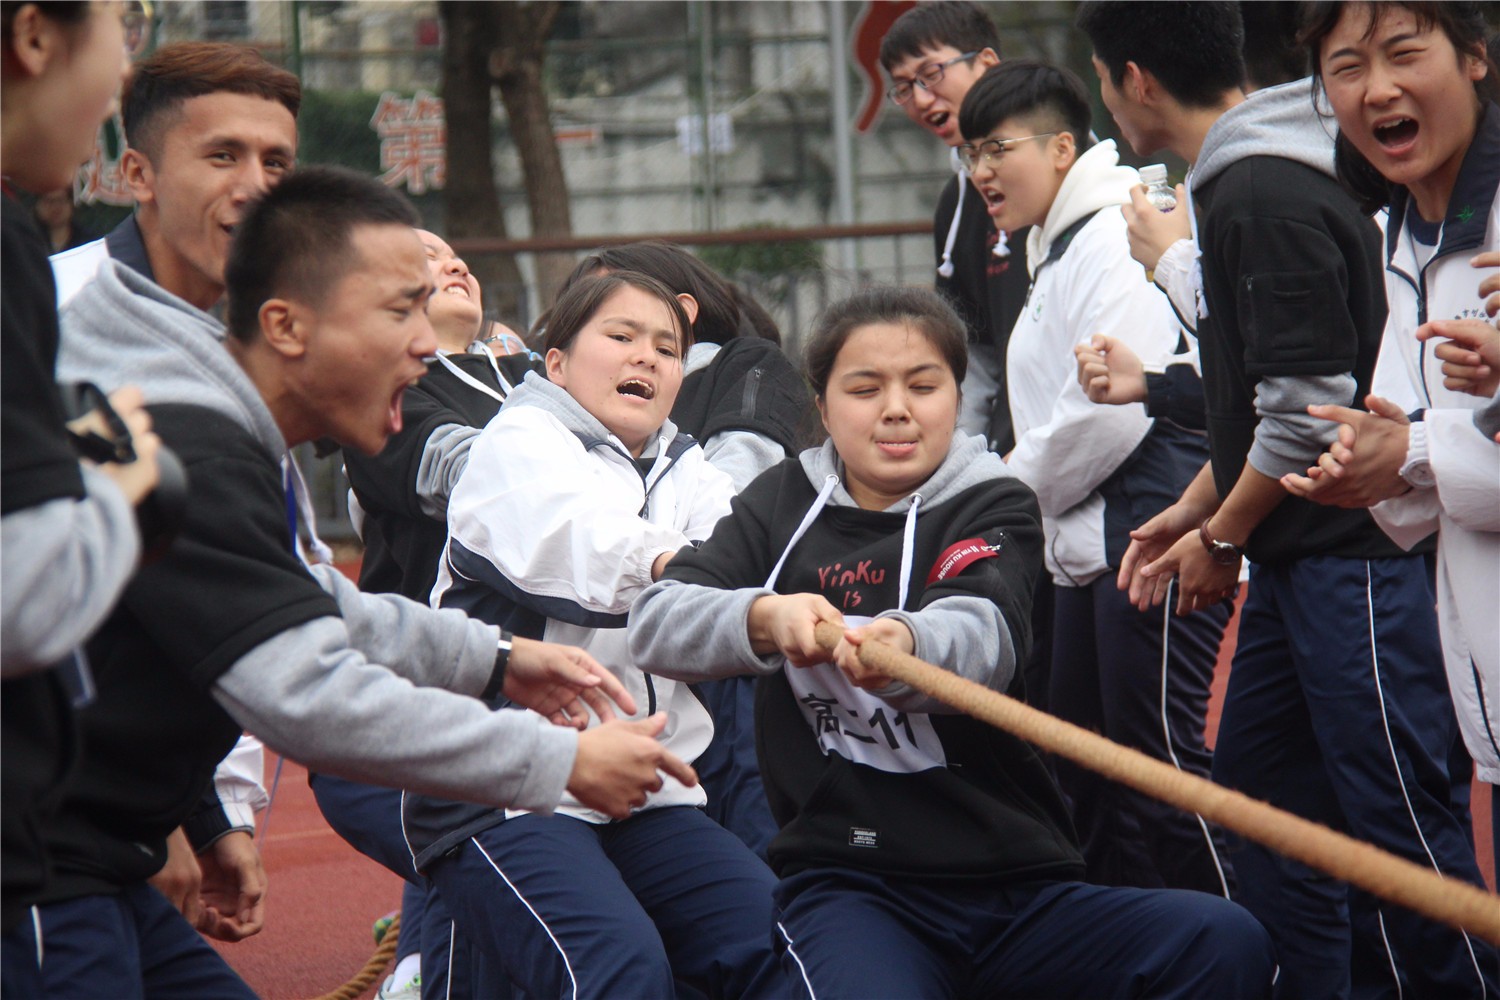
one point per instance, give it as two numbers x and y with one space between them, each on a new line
1158 191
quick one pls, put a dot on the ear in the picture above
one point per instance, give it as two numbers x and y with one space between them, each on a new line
283 327
1476 66
1138 83
822 405
139 176
1065 152
987 57
689 306
34 41
556 371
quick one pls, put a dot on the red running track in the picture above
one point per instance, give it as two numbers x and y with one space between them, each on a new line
324 895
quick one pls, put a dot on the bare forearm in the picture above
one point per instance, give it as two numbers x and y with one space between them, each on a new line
1253 498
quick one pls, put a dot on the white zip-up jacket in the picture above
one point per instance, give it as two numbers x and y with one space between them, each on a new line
552 530
1463 504
1083 282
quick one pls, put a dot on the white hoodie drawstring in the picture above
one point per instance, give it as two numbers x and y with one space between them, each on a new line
1002 245
908 542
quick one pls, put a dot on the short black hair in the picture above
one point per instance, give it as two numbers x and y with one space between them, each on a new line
1272 55
965 26
295 240
718 319
1196 50
880 304
1026 88
583 298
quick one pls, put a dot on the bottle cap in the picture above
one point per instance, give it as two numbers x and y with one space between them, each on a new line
1153 174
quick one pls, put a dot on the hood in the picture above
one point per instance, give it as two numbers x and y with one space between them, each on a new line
1096 180
537 391
124 329
968 463
1278 121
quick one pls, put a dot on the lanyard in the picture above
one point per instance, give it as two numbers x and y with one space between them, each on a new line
474 383
291 508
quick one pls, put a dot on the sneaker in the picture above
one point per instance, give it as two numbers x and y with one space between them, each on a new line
409 990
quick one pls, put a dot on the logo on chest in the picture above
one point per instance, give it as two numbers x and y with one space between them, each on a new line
844 586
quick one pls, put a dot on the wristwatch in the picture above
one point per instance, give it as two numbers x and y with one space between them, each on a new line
1416 468
1223 553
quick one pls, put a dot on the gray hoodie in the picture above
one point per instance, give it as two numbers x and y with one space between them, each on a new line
317 691
1280 121
696 633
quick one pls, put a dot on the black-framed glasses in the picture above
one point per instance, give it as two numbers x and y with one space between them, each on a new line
989 151
928 76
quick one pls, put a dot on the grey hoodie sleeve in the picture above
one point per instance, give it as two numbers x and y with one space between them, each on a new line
1288 438
63 565
1487 418
965 635
308 695
443 459
690 633
432 648
742 455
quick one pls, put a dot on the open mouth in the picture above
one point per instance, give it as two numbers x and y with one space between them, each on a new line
1396 133
937 119
393 415
636 387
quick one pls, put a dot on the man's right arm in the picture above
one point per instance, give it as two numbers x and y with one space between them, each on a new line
308 694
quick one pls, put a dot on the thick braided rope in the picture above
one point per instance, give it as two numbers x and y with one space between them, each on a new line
1448 900
374 968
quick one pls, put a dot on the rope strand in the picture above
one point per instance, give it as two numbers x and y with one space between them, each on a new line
1450 901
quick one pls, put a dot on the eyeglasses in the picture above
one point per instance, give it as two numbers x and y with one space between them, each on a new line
928 76
991 150
136 17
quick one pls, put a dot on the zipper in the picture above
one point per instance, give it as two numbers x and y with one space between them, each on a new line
752 387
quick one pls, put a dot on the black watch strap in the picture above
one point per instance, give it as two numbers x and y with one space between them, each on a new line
497 675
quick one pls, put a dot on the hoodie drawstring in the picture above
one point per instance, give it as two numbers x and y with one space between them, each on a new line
908 537
829 482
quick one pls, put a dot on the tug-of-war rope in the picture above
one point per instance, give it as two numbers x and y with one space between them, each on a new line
1360 864
1392 878
374 968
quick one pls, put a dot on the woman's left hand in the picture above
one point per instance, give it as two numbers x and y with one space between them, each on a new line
890 631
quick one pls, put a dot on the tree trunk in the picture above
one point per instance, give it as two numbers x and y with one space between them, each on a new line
521 31
471 199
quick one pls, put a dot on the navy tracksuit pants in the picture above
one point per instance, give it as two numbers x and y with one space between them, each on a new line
1141 679
575 909
853 934
129 945
1338 710
369 818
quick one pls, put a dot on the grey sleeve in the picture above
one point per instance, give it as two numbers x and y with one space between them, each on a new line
964 635
1288 438
742 455
63 565
443 459
1487 418
311 697
693 633
432 648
